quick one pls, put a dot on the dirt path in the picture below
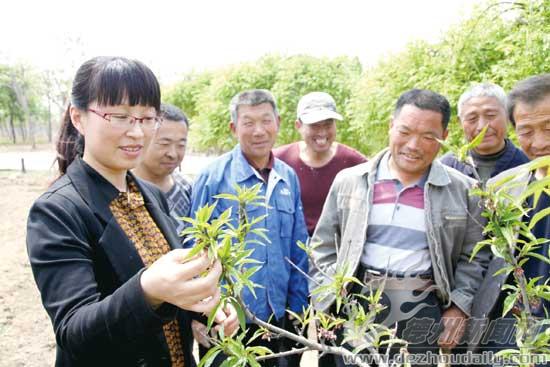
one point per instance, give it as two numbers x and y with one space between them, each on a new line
26 336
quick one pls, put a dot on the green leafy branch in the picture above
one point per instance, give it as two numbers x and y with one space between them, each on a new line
510 238
462 153
228 243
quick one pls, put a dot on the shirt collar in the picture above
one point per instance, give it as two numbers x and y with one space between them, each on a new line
269 163
243 170
384 173
263 172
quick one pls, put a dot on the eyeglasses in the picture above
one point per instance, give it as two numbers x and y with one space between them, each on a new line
124 121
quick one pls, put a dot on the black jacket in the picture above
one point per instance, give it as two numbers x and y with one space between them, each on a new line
88 273
511 158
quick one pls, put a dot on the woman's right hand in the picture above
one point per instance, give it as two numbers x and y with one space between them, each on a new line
175 279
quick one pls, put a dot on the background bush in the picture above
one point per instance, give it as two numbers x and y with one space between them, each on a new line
501 42
205 97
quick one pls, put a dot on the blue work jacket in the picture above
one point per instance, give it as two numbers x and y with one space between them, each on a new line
282 285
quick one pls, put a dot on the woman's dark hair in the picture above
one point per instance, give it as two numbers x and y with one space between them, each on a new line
109 81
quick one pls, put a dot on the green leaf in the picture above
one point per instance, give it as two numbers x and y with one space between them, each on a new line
538 163
537 185
257 219
539 256
509 302
258 333
538 216
261 232
295 315
210 356
260 351
506 269
510 287
478 139
227 197
240 313
508 234
212 316
477 248
195 250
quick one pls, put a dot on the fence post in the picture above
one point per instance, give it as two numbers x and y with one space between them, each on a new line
23 165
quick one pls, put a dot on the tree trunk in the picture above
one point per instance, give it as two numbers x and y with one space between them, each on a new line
12 127
49 121
23 130
24 103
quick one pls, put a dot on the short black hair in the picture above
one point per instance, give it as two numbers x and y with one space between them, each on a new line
173 113
530 91
425 100
252 97
111 81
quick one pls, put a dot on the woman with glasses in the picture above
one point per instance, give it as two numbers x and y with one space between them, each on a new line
104 252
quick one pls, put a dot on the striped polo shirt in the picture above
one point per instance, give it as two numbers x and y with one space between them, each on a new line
396 232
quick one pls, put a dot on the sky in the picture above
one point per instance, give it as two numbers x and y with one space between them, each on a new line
176 37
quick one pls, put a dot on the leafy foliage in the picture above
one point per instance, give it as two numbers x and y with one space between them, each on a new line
501 42
509 238
205 97
28 98
228 243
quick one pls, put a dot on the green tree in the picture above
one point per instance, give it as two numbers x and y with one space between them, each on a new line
489 46
501 42
22 101
205 97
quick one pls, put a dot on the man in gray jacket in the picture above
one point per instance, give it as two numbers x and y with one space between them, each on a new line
406 218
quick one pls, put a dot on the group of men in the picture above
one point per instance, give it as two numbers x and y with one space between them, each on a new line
404 216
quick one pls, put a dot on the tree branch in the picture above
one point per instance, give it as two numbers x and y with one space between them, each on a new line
301 271
300 339
284 354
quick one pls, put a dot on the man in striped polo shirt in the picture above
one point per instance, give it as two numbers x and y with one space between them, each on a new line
397 213
406 219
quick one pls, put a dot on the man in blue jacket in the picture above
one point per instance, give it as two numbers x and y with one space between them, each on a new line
479 106
255 123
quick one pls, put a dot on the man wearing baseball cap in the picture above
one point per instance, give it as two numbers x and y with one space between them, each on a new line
317 158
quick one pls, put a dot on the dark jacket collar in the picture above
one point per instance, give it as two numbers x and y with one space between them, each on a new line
96 190
512 157
98 193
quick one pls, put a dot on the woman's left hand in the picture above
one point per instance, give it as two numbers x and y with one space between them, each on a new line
227 319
